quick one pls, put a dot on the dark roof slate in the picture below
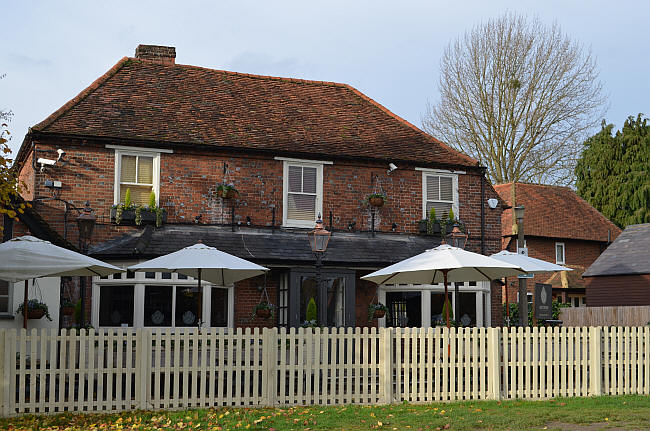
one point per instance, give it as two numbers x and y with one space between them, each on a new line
143 100
262 246
629 254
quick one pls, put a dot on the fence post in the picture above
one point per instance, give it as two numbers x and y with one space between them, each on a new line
143 357
494 364
3 375
269 364
386 365
595 359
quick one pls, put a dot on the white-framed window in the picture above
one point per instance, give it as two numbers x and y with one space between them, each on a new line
559 253
160 300
302 191
5 297
139 171
439 191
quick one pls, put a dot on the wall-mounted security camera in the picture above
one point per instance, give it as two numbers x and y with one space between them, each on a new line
61 154
391 167
53 184
492 203
44 162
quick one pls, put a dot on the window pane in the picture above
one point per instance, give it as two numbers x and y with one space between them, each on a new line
446 189
139 194
309 180
437 302
4 304
149 275
182 276
116 305
433 188
467 309
404 309
127 173
442 209
158 306
295 179
301 207
219 307
145 170
308 290
4 287
166 275
335 301
188 306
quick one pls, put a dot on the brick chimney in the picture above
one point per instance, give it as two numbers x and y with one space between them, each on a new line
156 54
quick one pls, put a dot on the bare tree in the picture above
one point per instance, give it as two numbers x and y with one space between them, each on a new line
519 97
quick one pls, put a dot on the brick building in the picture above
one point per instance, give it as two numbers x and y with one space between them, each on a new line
559 227
293 149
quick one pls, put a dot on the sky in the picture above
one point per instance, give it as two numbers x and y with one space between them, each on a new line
388 50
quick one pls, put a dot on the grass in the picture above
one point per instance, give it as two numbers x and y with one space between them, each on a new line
621 412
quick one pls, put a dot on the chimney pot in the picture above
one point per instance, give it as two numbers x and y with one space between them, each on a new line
156 54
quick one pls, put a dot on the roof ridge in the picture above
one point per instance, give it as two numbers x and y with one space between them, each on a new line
81 96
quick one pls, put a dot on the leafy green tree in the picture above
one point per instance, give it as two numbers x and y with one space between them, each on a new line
613 172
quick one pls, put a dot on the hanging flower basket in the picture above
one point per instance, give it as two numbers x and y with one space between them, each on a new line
35 309
377 200
376 311
263 310
227 191
35 314
263 313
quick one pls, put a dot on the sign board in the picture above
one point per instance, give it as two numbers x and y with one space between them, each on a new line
543 301
529 275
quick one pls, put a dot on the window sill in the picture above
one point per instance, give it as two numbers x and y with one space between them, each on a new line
7 316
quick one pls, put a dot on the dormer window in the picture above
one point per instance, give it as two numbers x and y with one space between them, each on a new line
302 192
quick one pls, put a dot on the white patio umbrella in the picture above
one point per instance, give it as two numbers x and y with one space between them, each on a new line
528 264
204 263
27 257
444 264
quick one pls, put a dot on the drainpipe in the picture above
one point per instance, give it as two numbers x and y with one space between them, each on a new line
483 212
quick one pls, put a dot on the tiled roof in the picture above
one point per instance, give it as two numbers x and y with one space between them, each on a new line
567 279
555 212
143 100
263 246
628 255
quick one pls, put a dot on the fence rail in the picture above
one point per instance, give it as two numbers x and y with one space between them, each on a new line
49 371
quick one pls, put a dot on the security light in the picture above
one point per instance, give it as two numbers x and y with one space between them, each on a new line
391 167
492 203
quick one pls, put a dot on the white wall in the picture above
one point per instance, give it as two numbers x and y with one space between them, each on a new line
46 290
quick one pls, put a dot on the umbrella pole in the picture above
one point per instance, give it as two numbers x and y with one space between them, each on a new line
507 303
444 273
25 305
200 300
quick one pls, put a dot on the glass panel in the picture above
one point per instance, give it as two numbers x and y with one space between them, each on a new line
158 306
188 306
467 309
437 302
219 307
139 194
4 304
166 275
442 208
335 301
295 179
446 189
182 277
127 171
117 276
301 207
145 170
130 274
4 287
308 290
149 275
309 180
116 305
404 309
433 188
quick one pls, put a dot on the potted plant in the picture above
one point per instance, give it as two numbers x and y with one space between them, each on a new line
227 191
151 214
377 311
377 199
311 315
67 308
35 309
447 225
433 224
124 212
128 213
263 310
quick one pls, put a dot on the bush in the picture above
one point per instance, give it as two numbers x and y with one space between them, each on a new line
514 312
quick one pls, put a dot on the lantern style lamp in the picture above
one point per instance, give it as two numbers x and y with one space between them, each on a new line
319 237
519 213
86 223
457 238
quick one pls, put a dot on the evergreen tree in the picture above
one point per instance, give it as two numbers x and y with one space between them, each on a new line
613 172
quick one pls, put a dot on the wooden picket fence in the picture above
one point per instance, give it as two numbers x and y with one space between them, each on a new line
52 371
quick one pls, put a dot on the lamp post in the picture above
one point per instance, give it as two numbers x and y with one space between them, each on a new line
86 223
523 300
318 240
456 239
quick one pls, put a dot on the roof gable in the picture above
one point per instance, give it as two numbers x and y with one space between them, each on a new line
555 212
143 100
627 255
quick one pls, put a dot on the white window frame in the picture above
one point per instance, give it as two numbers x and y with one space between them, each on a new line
140 282
563 261
286 222
440 173
10 300
138 152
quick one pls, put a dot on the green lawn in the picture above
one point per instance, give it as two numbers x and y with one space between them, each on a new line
627 412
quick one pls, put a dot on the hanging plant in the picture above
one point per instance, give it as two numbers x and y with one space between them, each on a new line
227 191
376 311
35 309
67 308
264 310
377 199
